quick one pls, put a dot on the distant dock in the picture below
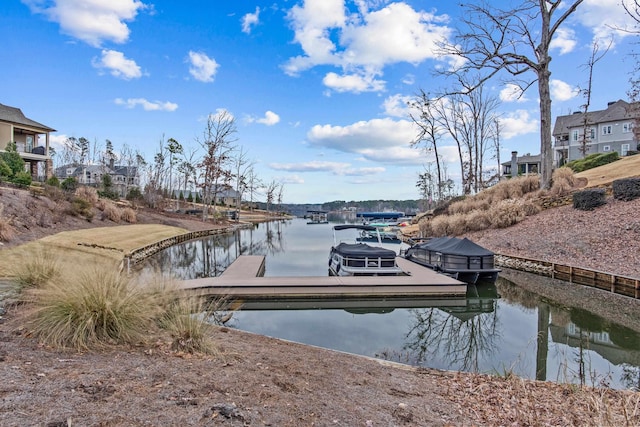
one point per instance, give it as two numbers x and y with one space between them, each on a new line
244 279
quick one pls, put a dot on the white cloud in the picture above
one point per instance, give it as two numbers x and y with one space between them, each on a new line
270 118
517 123
118 65
250 20
362 43
92 21
381 140
564 40
607 19
352 83
335 168
512 93
397 105
202 67
561 91
58 141
146 105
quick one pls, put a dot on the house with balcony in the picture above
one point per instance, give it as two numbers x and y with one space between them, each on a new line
123 178
521 165
31 139
577 135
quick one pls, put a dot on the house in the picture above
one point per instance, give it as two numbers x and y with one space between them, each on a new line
123 178
523 165
31 138
606 130
224 196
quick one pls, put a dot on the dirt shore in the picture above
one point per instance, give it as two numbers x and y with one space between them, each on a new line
256 380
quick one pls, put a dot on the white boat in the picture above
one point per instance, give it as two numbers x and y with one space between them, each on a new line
361 259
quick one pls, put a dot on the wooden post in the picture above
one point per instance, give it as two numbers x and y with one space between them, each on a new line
570 274
613 283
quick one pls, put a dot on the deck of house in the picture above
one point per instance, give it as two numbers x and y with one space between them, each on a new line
244 279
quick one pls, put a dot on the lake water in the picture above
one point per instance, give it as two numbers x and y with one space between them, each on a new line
496 330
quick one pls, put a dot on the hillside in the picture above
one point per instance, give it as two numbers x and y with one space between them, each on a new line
604 175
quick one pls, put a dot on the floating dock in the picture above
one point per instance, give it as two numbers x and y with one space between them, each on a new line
244 279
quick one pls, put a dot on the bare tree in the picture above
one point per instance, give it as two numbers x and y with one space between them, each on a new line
430 131
517 41
217 143
174 148
596 56
271 189
241 169
253 184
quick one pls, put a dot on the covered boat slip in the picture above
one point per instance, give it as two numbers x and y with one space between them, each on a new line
460 258
243 280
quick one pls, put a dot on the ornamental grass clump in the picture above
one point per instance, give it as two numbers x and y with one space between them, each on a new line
190 321
129 215
111 212
36 269
6 229
92 309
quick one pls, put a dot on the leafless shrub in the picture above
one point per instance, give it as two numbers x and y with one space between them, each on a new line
102 203
6 230
478 220
563 182
111 212
425 227
440 225
457 224
506 213
129 215
87 193
54 193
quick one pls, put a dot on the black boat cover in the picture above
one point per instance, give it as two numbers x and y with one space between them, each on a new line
361 250
354 226
455 246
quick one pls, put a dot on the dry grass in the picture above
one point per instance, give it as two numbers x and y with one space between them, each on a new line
36 269
626 167
6 230
92 308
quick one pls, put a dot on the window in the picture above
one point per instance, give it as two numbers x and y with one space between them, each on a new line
575 135
627 127
624 150
593 133
606 130
606 148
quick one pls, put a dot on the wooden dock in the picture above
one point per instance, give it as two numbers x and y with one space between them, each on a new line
243 279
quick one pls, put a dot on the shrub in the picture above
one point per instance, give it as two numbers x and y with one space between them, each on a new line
54 193
81 207
588 200
425 227
6 230
457 224
53 181
22 179
92 309
478 220
111 212
87 193
69 184
440 226
506 213
593 160
129 215
626 189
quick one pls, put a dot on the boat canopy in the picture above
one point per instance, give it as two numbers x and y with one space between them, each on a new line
361 250
380 215
455 246
356 226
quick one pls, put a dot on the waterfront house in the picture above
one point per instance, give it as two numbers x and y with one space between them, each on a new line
31 139
607 130
123 178
521 165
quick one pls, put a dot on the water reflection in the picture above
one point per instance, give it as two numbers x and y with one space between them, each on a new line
499 329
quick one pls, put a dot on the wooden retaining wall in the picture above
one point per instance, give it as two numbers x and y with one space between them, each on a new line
621 285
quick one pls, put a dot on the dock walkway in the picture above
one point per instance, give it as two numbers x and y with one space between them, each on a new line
243 279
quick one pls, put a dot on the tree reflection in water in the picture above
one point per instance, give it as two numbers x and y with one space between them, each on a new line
462 337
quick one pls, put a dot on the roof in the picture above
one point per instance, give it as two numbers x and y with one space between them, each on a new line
527 158
619 110
16 116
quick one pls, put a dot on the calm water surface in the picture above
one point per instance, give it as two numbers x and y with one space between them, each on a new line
496 330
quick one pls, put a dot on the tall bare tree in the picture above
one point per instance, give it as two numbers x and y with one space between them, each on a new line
515 40
217 142
596 56
241 166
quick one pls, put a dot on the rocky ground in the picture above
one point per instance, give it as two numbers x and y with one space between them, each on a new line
256 380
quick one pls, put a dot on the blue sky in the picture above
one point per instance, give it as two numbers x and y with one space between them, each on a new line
317 87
